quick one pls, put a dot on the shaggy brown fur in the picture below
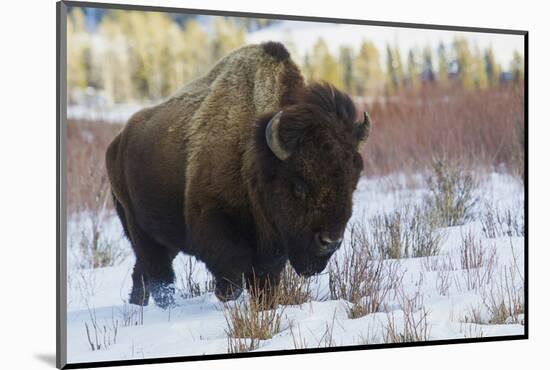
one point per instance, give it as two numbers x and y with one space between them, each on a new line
195 174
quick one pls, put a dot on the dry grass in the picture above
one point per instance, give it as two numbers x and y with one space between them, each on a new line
499 223
503 301
474 315
471 330
190 287
445 268
405 232
439 263
452 189
443 282
132 315
414 327
293 289
238 345
325 340
478 262
251 320
361 278
505 298
86 175
387 235
472 252
479 128
100 336
89 195
94 247
298 339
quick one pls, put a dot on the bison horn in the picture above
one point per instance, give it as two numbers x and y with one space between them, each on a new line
272 137
367 123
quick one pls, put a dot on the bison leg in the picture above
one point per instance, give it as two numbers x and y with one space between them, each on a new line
153 272
227 290
219 242
158 274
140 289
153 275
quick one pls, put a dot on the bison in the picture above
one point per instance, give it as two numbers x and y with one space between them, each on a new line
245 168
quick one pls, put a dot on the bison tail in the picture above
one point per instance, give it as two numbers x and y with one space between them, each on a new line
121 215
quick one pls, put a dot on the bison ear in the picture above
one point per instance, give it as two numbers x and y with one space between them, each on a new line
362 129
272 137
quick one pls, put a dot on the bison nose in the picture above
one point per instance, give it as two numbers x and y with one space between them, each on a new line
328 244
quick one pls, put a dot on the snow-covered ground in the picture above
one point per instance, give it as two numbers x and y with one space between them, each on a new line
103 112
444 300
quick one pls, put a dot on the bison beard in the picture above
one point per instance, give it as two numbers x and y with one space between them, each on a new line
244 168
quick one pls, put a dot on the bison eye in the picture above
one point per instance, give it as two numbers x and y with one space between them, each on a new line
299 189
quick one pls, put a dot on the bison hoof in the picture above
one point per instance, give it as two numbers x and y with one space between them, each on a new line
139 300
164 296
139 297
226 291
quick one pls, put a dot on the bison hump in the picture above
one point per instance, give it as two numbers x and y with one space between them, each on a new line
276 50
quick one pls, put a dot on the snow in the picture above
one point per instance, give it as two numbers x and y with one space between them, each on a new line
198 326
101 111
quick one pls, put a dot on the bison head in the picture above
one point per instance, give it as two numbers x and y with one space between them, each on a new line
310 168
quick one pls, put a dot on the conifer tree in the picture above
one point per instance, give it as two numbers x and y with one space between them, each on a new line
113 63
348 69
78 51
442 65
517 67
413 71
427 64
492 68
394 68
465 62
399 66
481 79
368 71
227 37
324 67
